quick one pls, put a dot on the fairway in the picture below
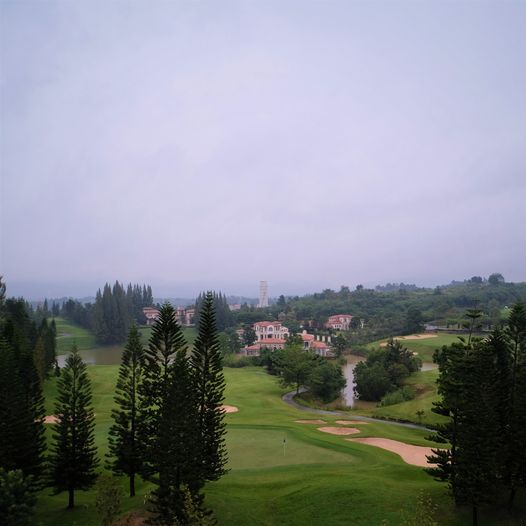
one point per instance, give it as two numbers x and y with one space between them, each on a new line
423 347
280 472
69 333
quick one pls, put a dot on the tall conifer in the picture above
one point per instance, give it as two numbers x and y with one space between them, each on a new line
74 456
209 384
126 452
169 419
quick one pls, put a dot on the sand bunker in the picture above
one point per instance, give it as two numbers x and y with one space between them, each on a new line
415 455
339 430
230 408
348 422
318 422
50 419
418 337
412 337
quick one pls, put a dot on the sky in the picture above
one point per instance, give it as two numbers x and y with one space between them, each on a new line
312 144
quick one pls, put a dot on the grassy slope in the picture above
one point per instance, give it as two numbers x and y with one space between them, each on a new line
424 384
321 479
424 348
69 333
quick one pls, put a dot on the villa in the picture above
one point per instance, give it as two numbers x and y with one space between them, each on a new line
340 322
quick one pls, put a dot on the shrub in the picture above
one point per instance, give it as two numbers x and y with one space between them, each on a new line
396 397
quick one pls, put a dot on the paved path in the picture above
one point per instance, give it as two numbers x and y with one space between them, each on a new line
288 398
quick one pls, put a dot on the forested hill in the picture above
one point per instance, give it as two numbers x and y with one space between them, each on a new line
389 310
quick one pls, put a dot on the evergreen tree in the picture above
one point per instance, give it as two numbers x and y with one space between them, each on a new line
125 449
21 401
450 387
476 455
512 386
169 419
40 359
17 498
209 387
74 456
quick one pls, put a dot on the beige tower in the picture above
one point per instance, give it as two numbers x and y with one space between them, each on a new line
263 295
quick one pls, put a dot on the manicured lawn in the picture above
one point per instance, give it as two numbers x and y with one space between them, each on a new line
190 333
424 348
316 479
69 333
425 386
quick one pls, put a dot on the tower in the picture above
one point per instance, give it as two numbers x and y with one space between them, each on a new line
263 295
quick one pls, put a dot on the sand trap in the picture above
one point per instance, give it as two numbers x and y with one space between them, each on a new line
50 419
348 422
418 337
318 422
230 408
412 337
415 455
339 430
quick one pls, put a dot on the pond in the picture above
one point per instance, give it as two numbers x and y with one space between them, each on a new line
108 355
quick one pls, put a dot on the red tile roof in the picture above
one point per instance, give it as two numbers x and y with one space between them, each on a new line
267 323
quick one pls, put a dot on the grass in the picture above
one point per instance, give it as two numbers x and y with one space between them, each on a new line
424 348
190 333
69 333
317 479
424 384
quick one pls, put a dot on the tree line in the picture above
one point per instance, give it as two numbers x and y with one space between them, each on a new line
114 311
224 317
482 384
168 423
395 309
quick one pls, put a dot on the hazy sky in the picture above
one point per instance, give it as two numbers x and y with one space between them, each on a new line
214 144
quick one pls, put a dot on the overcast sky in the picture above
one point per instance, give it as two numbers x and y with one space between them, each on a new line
215 144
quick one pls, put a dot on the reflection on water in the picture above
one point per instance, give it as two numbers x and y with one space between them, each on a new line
110 355
348 373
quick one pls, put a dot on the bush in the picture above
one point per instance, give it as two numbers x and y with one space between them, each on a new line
16 498
234 361
108 499
396 397
372 382
326 381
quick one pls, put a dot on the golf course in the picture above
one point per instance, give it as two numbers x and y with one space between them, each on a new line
283 470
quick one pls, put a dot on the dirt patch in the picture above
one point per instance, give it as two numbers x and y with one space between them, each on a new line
415 455
230 408
318 422
131 519
349 422
50 419
339 430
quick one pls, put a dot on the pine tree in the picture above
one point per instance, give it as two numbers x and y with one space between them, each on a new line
21 401
450 360
514 472
476 456
209 387
126 452
40 359
169 418
17 498
74 457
